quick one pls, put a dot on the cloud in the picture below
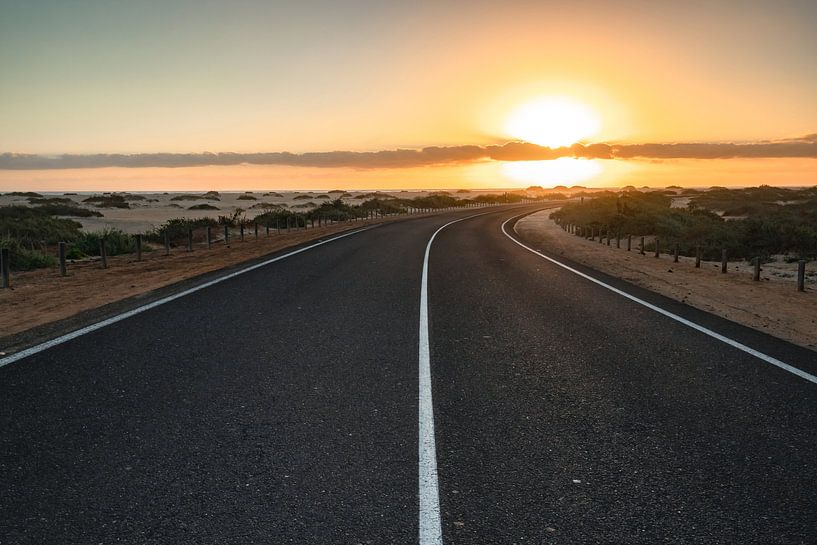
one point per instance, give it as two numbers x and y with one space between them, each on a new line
805 146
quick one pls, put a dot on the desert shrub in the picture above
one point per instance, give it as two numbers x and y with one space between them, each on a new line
132 197
23 194
280 217
34 226
233 220
116 242
772 220
178 227
107 201
209 196
49 200
25 259
74 253
204 206
186 198
246 198
266 205
69 210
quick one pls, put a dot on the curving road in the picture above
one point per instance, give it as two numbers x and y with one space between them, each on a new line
288 404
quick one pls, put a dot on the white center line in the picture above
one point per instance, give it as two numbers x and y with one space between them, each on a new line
706 331
119 317
429 491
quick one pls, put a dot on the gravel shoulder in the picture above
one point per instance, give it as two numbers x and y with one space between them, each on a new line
772 306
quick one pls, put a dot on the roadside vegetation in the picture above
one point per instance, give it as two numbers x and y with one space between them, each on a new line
752 222
32 232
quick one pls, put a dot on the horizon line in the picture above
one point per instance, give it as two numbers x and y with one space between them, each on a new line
802 147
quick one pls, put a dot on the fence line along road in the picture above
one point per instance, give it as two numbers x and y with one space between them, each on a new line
293 223
585 231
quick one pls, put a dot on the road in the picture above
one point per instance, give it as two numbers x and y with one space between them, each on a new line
281 406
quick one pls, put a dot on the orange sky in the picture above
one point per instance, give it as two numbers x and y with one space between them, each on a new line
251 76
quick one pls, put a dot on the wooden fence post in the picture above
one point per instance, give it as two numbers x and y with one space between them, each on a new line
209 237
103 253
226 234
256 230
801 275
138 247
675 253
267 227
241 230
5 266
697 257
629 242
61 247
642 246
657 247
756 275
724 256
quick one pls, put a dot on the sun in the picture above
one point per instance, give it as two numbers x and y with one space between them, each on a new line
552 121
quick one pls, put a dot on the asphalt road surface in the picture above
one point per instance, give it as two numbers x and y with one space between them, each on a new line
282 406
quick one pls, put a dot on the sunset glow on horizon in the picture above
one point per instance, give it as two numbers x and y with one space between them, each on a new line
348 92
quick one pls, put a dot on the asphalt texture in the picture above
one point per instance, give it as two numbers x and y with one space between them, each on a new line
280 406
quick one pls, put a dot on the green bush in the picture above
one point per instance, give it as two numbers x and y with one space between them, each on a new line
69 210
75 253
35 225
177 228
116 242
771 220
24 259
108 201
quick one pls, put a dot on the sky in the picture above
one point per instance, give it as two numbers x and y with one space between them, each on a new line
146 79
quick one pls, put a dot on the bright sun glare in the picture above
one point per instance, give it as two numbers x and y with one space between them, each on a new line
552 121
564 170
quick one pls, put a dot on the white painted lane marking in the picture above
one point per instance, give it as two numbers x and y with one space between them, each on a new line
429 491
119 317
706 331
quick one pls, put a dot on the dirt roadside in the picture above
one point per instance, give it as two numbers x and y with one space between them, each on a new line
772 306
43 297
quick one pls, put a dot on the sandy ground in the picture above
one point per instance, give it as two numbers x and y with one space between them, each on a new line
156 208
42 296
772 305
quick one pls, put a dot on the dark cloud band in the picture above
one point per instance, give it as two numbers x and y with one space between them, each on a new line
402 158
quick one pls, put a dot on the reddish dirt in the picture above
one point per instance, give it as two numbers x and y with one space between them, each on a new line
43 296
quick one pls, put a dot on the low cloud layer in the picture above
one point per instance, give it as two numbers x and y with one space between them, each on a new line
401 158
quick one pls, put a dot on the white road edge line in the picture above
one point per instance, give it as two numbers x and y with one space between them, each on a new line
138 310
430 531
706 331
